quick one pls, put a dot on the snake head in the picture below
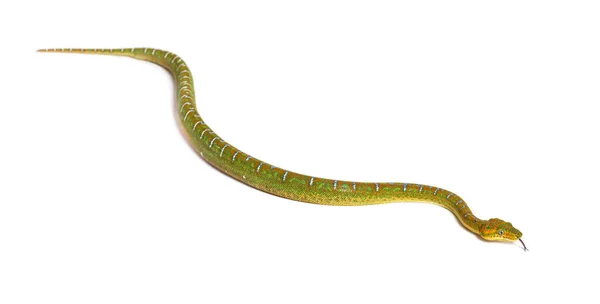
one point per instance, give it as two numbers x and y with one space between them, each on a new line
498 230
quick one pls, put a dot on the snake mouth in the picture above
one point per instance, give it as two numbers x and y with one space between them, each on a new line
524 247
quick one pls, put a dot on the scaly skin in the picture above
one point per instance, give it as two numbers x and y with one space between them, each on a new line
291 185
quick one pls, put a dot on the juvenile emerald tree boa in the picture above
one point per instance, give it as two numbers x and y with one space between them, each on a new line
295 186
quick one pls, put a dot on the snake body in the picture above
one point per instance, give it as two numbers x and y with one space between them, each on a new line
292 185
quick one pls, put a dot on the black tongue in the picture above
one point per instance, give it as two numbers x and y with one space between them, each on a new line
524 247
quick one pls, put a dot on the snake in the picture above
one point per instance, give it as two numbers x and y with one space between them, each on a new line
291 185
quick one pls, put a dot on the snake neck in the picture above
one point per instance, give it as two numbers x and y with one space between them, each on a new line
460 209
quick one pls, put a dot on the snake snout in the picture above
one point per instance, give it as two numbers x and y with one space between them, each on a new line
516 232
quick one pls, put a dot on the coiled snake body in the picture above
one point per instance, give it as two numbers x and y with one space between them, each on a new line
291 185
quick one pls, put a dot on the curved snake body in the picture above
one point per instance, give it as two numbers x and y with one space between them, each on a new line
292 185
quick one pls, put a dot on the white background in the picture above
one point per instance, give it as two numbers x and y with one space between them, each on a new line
103 201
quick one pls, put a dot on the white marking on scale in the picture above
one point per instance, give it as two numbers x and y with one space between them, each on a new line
145 50
436 190
421 189
234 155
188 113
195 125
258 168
223 150
334 185
459 202
285 175
354 186
202 134
213 141
312 179
377 187
167 54
183 105
248 158
153 51
449 195
404 187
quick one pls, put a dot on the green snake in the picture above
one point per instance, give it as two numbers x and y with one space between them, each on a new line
291 185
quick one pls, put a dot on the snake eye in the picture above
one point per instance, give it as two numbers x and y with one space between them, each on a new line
500 232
